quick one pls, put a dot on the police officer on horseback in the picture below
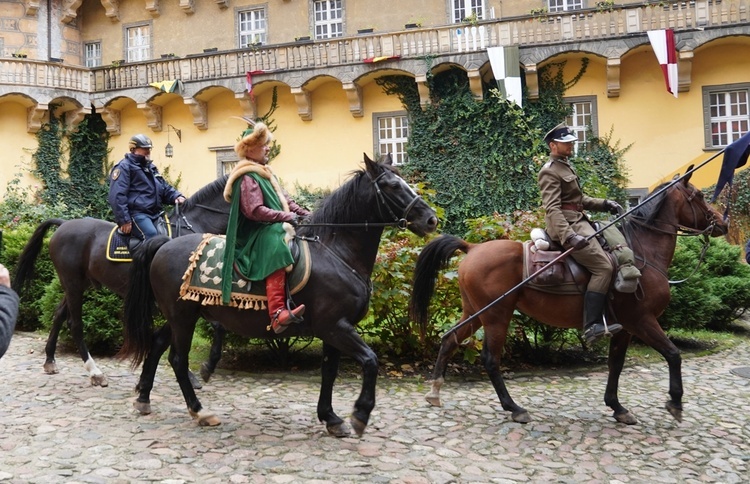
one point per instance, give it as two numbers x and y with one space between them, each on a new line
261 221
137 191
567 224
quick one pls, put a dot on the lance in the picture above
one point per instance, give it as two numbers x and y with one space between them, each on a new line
565 254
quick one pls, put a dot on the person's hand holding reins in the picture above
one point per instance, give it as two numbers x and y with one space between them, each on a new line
126 228
4 276
576 241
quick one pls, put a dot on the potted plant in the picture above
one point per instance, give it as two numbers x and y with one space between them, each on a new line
303 38
168 56
366 30
19 55
210 49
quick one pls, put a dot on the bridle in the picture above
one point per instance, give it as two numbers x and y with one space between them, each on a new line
182 221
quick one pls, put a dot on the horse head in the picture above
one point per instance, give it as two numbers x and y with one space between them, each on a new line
396 201
694 212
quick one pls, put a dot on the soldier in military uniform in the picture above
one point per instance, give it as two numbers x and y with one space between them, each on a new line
567 224
137 191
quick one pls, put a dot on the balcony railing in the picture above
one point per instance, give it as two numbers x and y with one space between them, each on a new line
576 26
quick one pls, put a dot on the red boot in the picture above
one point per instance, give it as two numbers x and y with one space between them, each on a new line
281 317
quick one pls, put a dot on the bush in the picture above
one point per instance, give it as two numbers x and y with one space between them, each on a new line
717 290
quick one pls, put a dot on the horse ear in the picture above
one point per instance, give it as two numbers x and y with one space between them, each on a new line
688 173
388 160
369 164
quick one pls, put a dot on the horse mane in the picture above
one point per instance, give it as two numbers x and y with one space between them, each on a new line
342 205
208 192
647 212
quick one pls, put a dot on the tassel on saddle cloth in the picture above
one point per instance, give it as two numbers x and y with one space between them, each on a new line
204 284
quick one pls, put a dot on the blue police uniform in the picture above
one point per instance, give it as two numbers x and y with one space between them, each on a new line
137 193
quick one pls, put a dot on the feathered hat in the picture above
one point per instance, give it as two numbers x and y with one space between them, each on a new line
256 136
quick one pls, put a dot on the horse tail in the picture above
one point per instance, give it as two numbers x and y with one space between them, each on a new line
433 258
140 303
25 266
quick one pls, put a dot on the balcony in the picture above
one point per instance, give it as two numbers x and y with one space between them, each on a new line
581 26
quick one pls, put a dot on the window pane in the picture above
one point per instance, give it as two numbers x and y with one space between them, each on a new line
564 5
252 27
465 8
328 19
92 54
393 134
139 43
580 120
729 116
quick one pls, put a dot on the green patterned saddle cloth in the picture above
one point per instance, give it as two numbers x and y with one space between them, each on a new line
202 279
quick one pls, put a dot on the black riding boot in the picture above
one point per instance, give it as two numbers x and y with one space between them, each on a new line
593 321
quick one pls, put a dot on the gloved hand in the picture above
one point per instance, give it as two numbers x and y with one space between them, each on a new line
612 207
294 222
576 241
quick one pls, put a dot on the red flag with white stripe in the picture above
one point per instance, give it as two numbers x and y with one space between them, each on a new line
662 41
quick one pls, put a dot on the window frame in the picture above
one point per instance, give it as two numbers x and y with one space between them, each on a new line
399 157
328 23
708 91
454 8
126 41
593 127
565 6
86 57
239 11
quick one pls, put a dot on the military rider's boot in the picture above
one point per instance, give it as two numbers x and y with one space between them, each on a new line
593 317
281 316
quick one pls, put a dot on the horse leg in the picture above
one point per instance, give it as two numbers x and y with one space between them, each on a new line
74 299
60 316
494 339
329 370
618 347
448 347
178 358
209 366
654 337
347 340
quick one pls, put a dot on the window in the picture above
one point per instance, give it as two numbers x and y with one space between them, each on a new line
564 5
92 54
726 113
462 9
252 27
391 135
328 19
583 119
138 43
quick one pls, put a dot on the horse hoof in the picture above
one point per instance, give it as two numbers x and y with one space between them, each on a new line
194 381
626 418
674 410
51 368
521 416
205 372
433 399
358 426
339 430
205 420
144 408
99 381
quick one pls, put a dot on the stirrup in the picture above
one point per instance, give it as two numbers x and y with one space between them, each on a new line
595 331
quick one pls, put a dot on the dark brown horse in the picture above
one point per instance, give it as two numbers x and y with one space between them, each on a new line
492 268
78 252
343 233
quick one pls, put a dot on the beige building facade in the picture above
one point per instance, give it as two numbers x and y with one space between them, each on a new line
321 59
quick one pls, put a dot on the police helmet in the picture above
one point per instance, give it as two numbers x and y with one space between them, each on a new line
139 141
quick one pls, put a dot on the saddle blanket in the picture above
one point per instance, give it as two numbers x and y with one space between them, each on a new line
204 284
118 244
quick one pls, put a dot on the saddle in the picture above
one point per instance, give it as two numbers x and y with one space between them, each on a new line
204 284
120 246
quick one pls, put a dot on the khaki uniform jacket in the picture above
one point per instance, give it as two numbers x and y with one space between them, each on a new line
559 187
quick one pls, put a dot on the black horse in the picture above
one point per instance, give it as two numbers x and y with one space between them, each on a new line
343 233
78 252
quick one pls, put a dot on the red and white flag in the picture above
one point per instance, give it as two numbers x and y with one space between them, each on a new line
662 41
249 82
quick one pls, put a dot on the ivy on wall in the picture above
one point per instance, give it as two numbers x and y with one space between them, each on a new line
78 183
483 157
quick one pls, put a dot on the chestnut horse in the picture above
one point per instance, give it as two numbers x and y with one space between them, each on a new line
491 268
343 236
78 251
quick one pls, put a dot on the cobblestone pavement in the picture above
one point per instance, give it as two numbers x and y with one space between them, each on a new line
60 429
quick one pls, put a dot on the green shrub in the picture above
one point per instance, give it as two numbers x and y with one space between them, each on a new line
717 290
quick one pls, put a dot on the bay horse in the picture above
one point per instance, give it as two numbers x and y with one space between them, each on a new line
491 268
343 235
78 250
